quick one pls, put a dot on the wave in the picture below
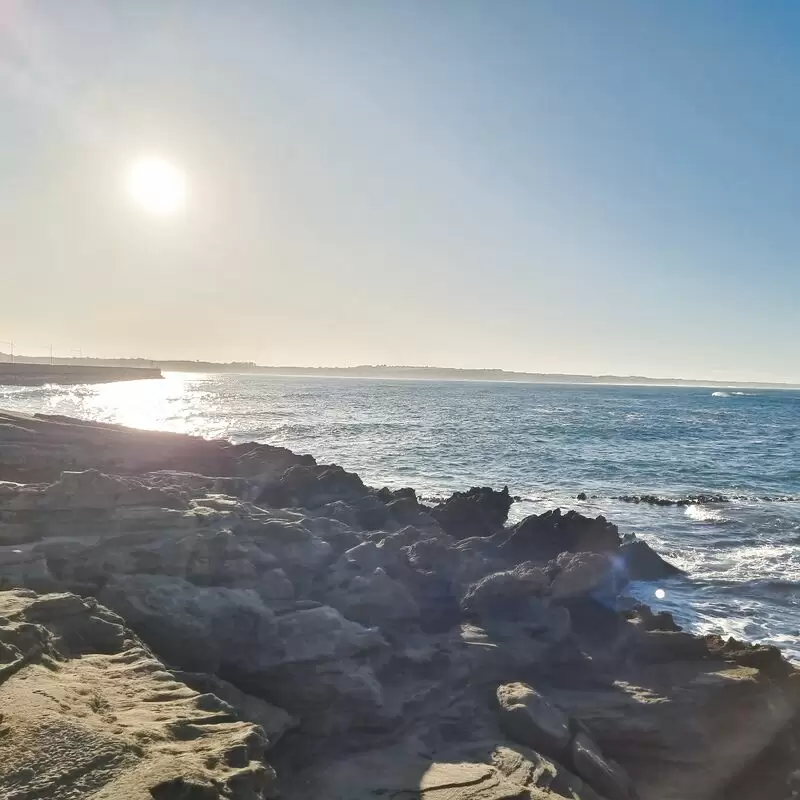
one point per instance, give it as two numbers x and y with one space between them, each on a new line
720 394
734 394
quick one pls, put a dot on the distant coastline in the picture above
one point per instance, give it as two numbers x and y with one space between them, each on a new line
399 372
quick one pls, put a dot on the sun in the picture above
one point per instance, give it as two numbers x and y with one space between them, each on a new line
156 185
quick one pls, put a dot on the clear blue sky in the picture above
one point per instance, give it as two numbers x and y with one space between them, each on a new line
604 187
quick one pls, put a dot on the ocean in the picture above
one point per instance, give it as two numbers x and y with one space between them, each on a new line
548 444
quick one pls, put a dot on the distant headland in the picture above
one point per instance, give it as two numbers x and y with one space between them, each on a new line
389 371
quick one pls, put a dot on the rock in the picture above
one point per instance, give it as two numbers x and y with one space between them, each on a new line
479 512
529 718
374 599
581 496
643 616
273 720
352 626
199 629
510 594
578 574
322 634
605 776
311 486
40 447
642 563
543 537
662 647
328 697
683 730
110 724
763 657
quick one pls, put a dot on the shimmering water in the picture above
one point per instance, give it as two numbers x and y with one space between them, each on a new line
547 443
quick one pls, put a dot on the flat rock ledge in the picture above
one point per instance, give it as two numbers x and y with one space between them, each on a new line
183 619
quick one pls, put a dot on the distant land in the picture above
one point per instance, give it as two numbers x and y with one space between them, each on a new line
398 372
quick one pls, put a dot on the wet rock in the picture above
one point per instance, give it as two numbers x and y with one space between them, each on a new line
479 512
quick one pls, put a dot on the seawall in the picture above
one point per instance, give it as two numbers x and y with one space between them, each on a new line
20 374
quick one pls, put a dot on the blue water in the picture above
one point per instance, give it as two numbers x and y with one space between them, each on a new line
547 443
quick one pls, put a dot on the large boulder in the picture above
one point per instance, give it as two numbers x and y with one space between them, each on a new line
544 536
481 511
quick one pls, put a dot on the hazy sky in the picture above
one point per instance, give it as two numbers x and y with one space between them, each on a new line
597 186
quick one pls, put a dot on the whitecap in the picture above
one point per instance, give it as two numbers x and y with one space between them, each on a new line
720 394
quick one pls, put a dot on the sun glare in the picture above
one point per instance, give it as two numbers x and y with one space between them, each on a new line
156 185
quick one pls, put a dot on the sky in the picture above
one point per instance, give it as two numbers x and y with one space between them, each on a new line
542 185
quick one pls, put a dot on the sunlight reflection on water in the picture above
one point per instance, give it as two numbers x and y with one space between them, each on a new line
169 404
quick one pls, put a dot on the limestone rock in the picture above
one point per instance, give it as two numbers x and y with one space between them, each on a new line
273 721
109 724
532 720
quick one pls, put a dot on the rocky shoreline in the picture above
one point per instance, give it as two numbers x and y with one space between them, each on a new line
182 618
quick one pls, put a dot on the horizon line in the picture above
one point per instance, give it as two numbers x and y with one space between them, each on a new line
571 377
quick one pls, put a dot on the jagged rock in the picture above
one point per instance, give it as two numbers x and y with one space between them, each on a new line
272 606
643 616
683 730
479 512
510 594
578 574
763 657
311 486
642 563
374 599
543 537
530 719
662 647
199 629
85 713
327 697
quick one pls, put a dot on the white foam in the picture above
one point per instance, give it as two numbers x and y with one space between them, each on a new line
720 394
